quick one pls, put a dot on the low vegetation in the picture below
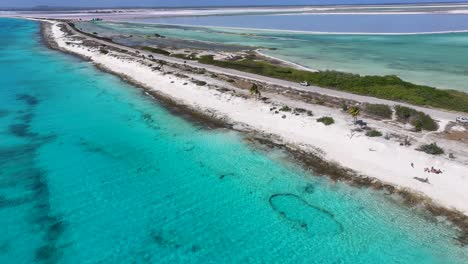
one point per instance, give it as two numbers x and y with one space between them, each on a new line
378 110
373 133
199 83
326 120
419 120
156 50
285 109
344 107
192 56
432 149
385 87
254 90
103 51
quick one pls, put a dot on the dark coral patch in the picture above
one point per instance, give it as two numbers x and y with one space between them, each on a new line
29 99
164 239
26 118
8 203
309 188
222 176
21 130
4 113
45 254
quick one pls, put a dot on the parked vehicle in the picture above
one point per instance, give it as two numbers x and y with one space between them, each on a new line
304 83
462 119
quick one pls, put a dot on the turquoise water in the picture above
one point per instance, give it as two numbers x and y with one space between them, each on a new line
94 171
341 23
438 60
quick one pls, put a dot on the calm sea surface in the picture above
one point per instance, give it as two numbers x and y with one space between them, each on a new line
94 171
340 23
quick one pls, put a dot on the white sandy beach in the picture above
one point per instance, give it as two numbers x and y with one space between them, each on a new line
382 159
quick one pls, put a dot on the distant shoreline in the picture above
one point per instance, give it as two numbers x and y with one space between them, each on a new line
356 5
292 31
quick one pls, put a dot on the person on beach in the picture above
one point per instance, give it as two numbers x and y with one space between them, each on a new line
433 170
412 165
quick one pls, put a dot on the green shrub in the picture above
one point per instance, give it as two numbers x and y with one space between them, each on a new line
344 107
326 120
419 120
432 149
180 56
254 90
379 110
319 101
373 133
192 56
156 50
404 113
424 122
199 83
103 51
285 109
385 87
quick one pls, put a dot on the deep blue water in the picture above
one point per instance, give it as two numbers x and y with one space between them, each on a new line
94 171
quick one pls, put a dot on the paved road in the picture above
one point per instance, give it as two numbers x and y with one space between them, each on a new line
435 113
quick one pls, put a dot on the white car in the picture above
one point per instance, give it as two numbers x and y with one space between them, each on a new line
304 83
462 119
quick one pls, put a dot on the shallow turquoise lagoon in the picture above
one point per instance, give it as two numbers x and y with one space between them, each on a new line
94 171
438 60
337 23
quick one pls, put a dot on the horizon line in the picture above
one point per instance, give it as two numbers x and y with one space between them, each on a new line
66 8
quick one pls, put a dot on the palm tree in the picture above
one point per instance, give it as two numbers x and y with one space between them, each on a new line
255 91
354 111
